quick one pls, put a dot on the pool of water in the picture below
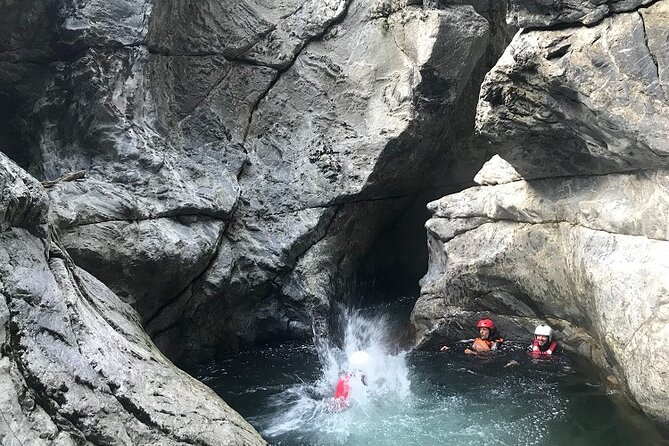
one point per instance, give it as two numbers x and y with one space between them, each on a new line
423 398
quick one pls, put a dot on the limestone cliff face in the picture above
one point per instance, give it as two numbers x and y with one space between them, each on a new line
569 225
531 14
240 159
76 366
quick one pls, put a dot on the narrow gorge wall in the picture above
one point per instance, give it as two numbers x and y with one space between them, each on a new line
569 224
240 161
76 367
223 169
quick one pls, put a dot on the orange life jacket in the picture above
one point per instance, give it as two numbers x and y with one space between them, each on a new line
484 345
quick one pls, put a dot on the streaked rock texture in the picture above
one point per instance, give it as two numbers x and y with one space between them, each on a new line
541 13
240 159
75 364
161 246
570 226
582 101
343 129
587 254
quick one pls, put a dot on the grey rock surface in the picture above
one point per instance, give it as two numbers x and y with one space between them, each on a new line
629 204
23 202
496 171
225 144
262 33
581 101
25 28
544 13
102 23
344 124
531 251
76 366
172 253
241 159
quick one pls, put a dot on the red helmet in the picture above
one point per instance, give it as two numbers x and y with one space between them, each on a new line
486 323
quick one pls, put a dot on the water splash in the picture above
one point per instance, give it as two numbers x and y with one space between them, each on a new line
454 399
309 408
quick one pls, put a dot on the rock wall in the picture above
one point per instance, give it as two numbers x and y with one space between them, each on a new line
239 163
582 101
76 366
240 160
531 14
569 224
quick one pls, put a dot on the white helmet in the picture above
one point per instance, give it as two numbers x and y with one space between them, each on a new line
544 330
358 359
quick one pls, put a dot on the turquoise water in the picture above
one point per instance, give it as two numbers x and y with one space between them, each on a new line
424 398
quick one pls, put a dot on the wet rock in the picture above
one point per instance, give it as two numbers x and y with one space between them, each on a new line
331 131
76 366
259 134
580 114
269 129
538 250
542 13
582 101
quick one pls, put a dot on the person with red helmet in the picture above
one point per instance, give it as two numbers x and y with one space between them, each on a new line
487 340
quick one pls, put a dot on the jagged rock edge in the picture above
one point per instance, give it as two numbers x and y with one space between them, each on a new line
578 24
545 222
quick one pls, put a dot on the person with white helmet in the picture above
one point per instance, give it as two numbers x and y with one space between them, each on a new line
543 344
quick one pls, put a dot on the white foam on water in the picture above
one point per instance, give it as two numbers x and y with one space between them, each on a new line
453 399
306 409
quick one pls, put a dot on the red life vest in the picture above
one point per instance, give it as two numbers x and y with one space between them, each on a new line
536 350
343 387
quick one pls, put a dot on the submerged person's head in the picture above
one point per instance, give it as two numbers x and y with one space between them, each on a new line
485 328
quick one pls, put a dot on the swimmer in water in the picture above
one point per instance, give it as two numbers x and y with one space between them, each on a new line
356 364
543 345
487 340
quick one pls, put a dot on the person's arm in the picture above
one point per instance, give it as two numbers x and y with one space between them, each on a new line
497 344
445 348
551 348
